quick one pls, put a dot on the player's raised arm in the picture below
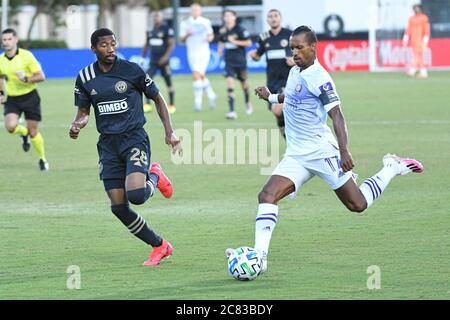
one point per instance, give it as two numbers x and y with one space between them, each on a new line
340 128
80 121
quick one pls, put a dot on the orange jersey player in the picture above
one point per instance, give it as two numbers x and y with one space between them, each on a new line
418 34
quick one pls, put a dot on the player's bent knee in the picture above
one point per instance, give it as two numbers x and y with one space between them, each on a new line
10 129
267 197
137 196
357 207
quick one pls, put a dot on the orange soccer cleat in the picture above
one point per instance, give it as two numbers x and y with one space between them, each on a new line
159 253
164 184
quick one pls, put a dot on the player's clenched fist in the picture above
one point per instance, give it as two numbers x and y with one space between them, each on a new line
74 130
262 93
347 163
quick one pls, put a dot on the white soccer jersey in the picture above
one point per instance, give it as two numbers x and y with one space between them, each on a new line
200 28
309 95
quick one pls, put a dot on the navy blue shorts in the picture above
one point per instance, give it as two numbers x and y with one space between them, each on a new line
122 154
234 71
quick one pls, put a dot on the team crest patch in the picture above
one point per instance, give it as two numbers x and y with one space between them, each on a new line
267 45
121 86
284 43
298 88
160 35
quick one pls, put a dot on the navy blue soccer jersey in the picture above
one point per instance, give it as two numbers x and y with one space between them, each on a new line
234 55
116 96
277 49
158 41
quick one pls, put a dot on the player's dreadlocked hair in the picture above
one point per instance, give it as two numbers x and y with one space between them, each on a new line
100 33
310 33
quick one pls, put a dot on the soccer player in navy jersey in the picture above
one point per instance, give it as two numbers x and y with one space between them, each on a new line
232 43
275 45
161 42
114 88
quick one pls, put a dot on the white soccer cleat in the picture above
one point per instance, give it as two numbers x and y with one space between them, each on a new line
422 74
264 262
231 115
411 72
249 108
401 165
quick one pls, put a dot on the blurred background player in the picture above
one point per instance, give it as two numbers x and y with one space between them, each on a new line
234 38
197 33
312 150
20 71
417 33
275 44
114 88
160 40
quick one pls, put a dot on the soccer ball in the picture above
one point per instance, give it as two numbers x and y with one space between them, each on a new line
245 264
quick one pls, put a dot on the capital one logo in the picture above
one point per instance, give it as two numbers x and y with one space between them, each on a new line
340 58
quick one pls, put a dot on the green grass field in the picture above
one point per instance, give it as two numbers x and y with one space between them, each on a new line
50 221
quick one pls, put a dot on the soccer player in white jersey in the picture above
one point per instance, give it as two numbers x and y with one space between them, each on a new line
197 33
312 150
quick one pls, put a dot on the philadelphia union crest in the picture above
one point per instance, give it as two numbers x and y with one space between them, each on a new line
121 86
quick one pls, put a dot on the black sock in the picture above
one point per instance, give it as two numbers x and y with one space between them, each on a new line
246 95
136 224
231 99
172 97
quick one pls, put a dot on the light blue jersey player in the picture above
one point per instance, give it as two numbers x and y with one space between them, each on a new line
312 150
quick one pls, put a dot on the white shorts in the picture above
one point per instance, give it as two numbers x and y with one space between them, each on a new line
198 61
299 170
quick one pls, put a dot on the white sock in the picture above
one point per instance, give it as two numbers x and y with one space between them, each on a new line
373 187
266 219
198 94
209 90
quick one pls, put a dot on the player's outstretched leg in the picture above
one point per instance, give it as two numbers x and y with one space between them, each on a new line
358 200
393 166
